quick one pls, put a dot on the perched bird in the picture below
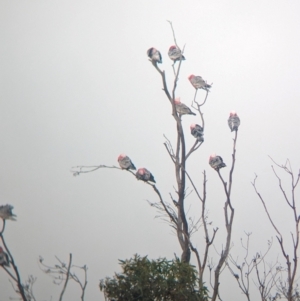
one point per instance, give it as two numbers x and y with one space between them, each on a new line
234 121
154 55
4 259
216 162
6 212
181 108
197 131
199 83
125 162
144 175
175 54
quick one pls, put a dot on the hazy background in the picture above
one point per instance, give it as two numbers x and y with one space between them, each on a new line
77 88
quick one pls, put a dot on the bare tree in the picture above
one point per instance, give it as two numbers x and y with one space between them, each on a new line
175 212
287 287
265 275
62 273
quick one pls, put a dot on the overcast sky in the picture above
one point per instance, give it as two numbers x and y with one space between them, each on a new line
76 88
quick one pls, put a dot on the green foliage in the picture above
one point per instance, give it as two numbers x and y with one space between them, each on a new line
148 280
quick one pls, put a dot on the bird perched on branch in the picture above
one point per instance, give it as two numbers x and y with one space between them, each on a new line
216 162
181 108
154 55
6 212
4 259
125 162
234 121
175 54
144 175
198 82
197 132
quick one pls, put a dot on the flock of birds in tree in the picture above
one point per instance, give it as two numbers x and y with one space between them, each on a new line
216 162
5 214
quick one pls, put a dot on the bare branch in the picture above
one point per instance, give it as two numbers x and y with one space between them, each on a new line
173 32
169 149
195 188
17 278
10 274
229 215
3 226
270 219
162 202
77 170
193 148
288 288
279 183
67 278
245 268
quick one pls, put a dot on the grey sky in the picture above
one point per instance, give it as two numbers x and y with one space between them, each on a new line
76 88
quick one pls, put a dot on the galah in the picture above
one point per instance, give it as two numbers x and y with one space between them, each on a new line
181 108
6 212
154 55
198 82
234 121
175 54
144 175
125 162
216 162
4 259
197 131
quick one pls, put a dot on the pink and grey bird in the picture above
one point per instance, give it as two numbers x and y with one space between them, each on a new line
197 132
144 175
234 121
181 108
125 162
6 212
4 259
154 55
198 82
216 162
175 54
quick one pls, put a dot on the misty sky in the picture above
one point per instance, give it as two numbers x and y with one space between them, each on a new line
76 88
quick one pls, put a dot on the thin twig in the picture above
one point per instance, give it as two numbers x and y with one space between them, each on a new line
173 32
270 219
86 169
